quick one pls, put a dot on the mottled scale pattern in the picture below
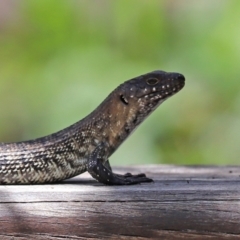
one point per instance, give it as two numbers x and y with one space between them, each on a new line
71 151
36 162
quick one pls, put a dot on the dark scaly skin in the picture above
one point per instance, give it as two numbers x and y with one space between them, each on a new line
87 145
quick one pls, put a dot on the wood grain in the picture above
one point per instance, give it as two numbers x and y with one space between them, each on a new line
184 202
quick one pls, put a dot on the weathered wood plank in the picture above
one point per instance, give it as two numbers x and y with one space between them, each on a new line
183 202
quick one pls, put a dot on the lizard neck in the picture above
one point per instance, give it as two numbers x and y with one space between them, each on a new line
114 122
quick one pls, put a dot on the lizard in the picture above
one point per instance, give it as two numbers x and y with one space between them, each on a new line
88 144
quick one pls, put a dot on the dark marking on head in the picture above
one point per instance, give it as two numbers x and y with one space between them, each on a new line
124 99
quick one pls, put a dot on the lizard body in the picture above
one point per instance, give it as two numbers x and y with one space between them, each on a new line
87 144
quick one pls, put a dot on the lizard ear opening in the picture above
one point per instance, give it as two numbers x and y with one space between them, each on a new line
124 100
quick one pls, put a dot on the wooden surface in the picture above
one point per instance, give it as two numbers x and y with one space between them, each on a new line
183 203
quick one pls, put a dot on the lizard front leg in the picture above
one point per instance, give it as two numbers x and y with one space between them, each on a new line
104 174
107 165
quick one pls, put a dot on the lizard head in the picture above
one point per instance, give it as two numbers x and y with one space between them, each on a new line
130 103
143 94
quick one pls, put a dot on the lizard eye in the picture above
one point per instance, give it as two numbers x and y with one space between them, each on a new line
124 100
152 81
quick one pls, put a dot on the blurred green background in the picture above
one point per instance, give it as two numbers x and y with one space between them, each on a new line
60 58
